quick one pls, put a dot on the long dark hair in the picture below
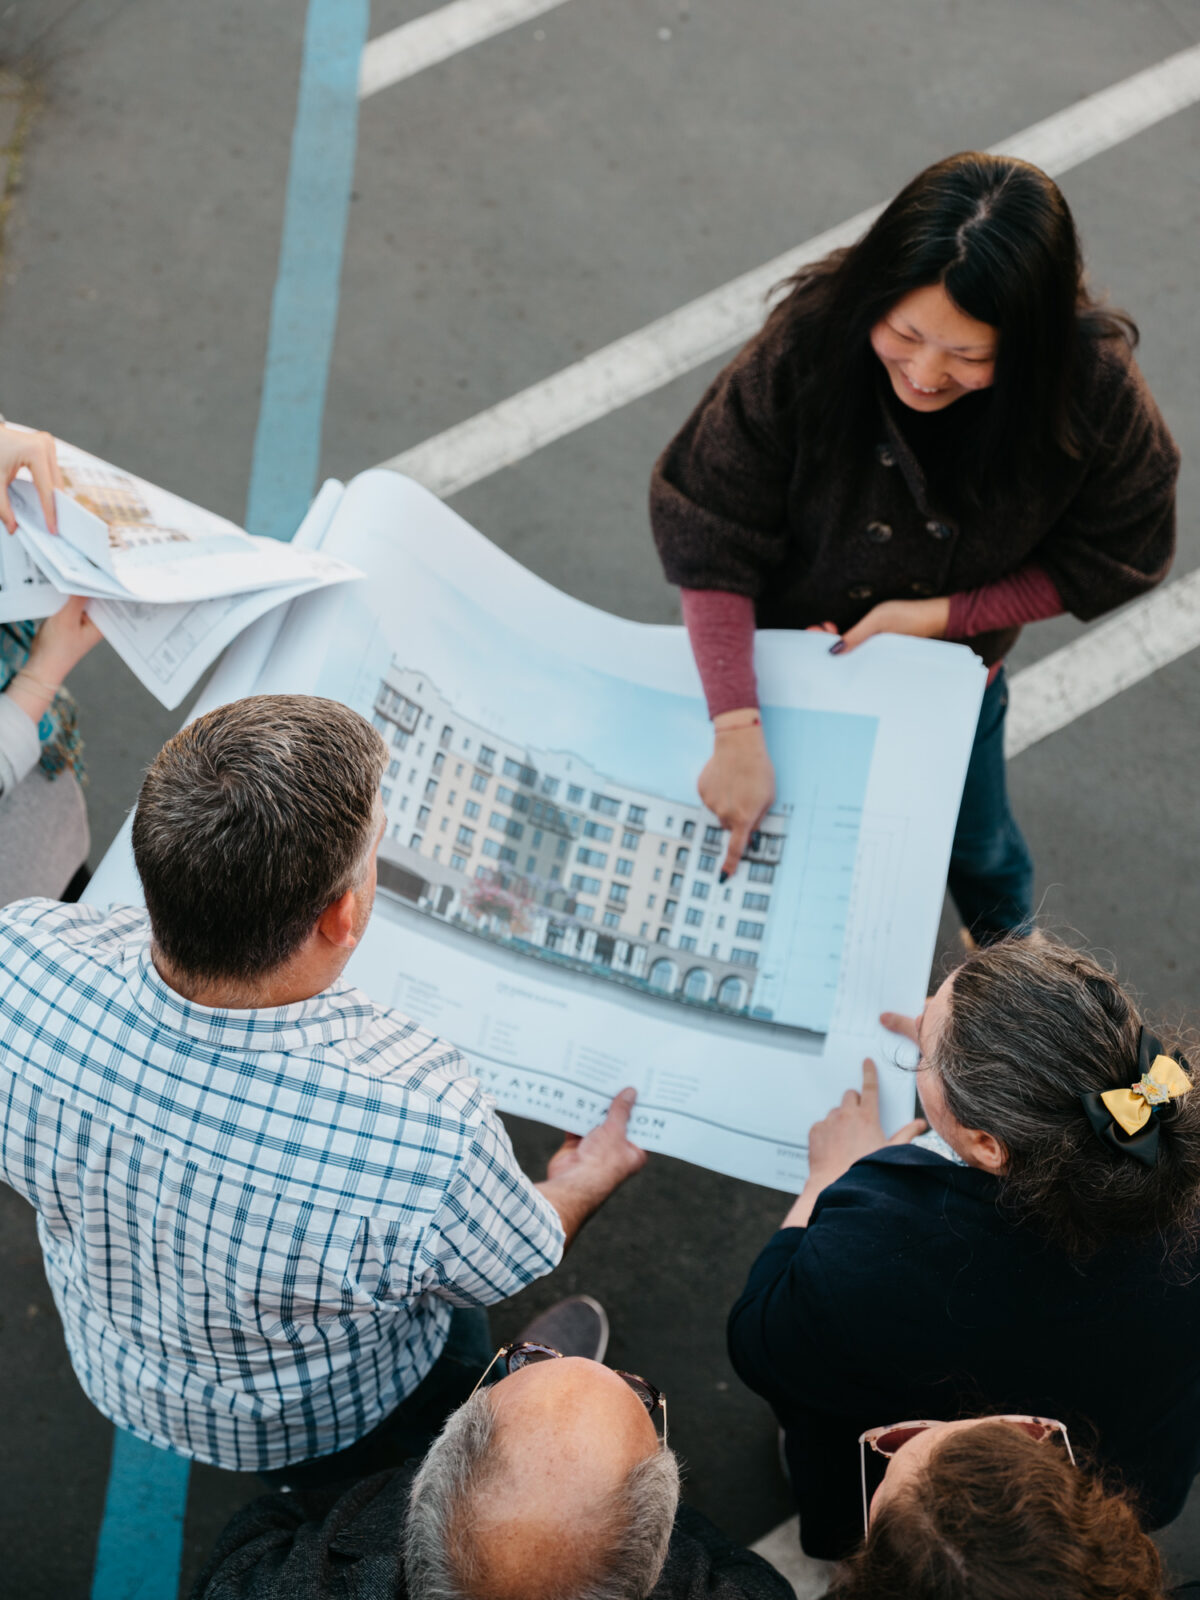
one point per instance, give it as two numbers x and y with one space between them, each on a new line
999 236
995 1515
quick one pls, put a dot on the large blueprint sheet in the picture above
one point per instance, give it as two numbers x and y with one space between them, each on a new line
548 891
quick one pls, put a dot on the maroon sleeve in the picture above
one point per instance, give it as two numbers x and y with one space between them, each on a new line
1026 595
720 627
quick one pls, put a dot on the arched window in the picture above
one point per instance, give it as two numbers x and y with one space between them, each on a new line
732 993
662 975
697 984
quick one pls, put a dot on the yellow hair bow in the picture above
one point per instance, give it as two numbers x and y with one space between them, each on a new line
1131 1108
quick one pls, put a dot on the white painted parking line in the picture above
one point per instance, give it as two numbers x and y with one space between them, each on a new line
439 34
676 344
609 378
1109 657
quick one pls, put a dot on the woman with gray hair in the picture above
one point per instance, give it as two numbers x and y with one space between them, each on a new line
1041 1259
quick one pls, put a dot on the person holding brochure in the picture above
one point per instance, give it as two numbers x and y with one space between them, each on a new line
271 1211
43 817
1041 1260
939 432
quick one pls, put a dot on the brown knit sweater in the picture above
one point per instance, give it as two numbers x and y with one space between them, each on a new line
733 507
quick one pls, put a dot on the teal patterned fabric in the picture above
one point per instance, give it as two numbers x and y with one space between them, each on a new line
57 730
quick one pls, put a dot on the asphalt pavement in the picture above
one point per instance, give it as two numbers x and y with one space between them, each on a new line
514 208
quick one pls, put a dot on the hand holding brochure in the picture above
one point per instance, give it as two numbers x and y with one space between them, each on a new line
172 583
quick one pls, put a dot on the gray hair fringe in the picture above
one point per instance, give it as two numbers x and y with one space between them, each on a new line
458 1467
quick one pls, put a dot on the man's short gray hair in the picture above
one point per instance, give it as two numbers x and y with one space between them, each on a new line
442 1560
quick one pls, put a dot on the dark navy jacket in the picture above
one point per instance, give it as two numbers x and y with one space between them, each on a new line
911 1295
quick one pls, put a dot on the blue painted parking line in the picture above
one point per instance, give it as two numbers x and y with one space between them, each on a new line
141 1537
287 445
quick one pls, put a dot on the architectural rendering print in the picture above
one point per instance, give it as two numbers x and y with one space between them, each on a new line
537 850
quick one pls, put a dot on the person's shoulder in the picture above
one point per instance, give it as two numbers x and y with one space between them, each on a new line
769 369
408 1062
369 1514
904 1181
86 929
703 1564
1104 356
1107 378
278 1546
1115 414
906 1166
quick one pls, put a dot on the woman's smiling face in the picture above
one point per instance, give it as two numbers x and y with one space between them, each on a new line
933 352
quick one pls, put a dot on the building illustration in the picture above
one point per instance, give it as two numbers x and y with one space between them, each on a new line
117 501
540 851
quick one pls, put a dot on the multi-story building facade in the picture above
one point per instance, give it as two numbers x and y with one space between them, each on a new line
539 849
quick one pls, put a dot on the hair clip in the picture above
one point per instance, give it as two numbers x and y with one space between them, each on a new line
1125 1118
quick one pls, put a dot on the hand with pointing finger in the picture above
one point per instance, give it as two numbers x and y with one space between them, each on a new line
850 1131
738 782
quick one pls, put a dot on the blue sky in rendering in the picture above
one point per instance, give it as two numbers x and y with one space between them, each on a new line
505 680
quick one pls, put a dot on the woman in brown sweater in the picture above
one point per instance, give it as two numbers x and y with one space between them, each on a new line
938 432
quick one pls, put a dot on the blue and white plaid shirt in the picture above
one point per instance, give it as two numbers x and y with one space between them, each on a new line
255 1223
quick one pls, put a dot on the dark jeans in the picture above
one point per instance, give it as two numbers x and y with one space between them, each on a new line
991 870
410 1429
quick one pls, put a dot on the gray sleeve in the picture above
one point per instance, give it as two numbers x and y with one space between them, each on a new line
19 745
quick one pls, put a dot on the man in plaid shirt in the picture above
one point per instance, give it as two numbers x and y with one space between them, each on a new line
260 1197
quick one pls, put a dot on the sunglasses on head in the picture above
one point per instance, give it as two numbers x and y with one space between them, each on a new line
884 1442
525 1353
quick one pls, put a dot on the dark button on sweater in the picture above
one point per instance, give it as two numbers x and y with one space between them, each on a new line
879 532
939 530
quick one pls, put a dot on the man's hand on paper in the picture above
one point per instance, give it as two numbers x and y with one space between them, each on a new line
738 782
850 1131
586 1169
36 451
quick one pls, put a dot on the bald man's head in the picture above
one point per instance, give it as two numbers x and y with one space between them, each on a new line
552 1485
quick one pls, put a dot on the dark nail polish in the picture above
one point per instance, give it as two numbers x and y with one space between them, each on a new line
836 649
722 876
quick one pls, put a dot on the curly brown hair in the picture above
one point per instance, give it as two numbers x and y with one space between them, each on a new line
995 1515
1032 1025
